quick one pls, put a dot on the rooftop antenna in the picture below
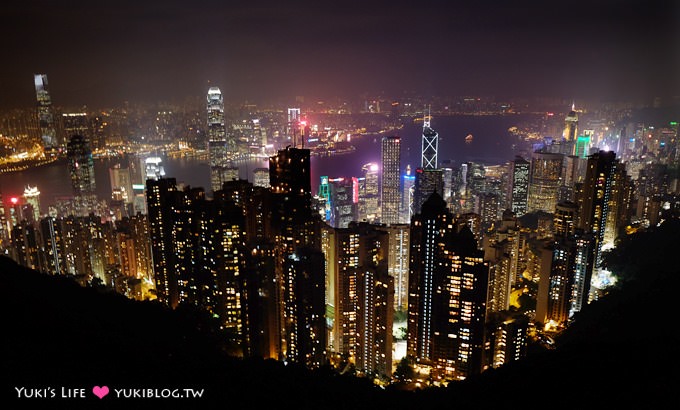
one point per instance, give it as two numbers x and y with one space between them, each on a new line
426 119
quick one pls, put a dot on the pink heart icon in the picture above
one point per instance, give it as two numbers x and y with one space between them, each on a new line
100 391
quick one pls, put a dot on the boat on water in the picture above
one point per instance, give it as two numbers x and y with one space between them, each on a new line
469 139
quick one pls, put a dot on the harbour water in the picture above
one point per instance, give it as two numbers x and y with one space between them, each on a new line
491 144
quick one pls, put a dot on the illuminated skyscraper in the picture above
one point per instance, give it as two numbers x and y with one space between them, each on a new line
81 165
77 123
162 198
427 182
291 187
582 146
45 113
304 306
398 263
261 302
429 145
217 137
570 274
448 285
546 174
369 193
153 168
26 245
389 193
344 198
407 196
53 245
594 199
293 127
363 297
564 219
198 250
32 197
509 334
121 180
519 190
570 125
503 248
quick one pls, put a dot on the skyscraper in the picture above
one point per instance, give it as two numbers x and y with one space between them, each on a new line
582 146
369 193
570 125
389 192
78 123
291 187
45 113
120 179
594 200
293 126
427 182
161 198
363 296
398 263
217 137
429 145
304 306
519 190
153 168
344 198
546 174
448 285
81 165
570 274
32 197
407 191
564 219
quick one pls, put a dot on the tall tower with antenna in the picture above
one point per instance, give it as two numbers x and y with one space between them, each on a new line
430 144
571 124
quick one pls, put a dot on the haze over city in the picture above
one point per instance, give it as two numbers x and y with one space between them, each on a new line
153 51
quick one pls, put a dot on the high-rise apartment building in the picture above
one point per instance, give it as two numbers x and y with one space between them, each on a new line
595 198
304 307
363 297
398 262
448 285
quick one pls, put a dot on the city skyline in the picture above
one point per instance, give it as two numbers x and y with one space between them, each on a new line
363 224
173 51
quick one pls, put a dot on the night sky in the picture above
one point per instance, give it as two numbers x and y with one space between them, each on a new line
103 53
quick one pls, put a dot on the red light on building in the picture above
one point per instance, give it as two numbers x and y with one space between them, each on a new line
14 200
